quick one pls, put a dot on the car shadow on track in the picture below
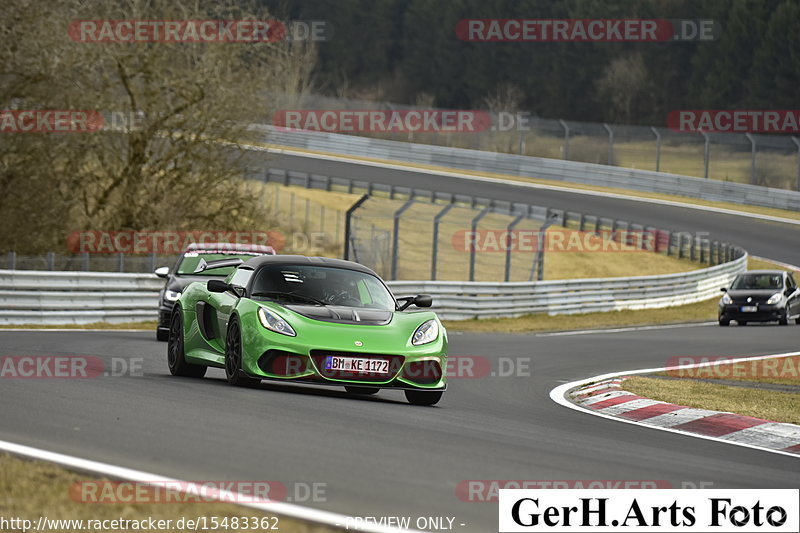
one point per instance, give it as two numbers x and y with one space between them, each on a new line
309 390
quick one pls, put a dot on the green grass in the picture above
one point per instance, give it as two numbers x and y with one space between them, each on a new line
766 404
30 489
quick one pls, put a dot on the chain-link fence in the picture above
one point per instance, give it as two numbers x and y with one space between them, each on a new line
757 159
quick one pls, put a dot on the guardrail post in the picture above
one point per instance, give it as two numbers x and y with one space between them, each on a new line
692 248
658 148
51 261
610 158
120 262
752 158
152 262
797 143
509 229
474 227
396 234
582 223
321 218
703 251
347 222
681 253
12 261
435 244
565 148
705 153
291 210
85 261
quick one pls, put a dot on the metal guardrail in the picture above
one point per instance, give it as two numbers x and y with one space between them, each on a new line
41 297
534 167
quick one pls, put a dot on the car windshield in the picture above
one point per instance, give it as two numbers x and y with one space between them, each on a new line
192 259
322 285
757 281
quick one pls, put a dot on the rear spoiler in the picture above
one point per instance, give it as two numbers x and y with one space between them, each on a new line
202 266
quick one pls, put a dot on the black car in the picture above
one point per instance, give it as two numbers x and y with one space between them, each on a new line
186 271
761 296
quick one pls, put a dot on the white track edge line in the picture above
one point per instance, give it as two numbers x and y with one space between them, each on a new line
289 510
410 168
558 395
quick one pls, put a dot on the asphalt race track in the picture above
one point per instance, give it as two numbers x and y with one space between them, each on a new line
381 456
762 238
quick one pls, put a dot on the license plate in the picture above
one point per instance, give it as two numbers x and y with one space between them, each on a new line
749 309
357 364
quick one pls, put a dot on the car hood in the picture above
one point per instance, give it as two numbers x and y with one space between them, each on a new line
179 283
756 295
343 315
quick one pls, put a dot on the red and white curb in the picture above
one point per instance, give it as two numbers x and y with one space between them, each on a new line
603 396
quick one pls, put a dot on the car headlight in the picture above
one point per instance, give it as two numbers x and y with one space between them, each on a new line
171 296
427 332
775 298
726 299
273 322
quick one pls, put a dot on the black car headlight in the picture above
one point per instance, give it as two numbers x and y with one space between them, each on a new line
171 296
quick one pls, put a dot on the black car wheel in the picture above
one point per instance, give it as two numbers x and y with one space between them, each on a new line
361 390
724 322
742 322
162 334
784 319
233 358
176 357
417 397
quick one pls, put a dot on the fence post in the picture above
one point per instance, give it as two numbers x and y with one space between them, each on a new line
396 234
752 157
610 158
308 208
51 260
509 229
658 148
348 216
565 148
435 244
152 264
12 261
321 218
705 155
85 261
474 227
291 211
797 143
522 134
120 262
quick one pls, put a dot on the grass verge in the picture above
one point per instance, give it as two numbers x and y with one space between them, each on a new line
30 489
766 404
697 312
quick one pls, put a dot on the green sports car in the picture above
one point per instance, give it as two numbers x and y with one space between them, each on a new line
308 320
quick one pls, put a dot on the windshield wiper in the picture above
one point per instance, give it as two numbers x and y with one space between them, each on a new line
291 295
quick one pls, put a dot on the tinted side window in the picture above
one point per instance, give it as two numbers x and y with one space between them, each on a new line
790 284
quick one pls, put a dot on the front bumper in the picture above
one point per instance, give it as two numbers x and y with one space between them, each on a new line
418 368
164 314
763 312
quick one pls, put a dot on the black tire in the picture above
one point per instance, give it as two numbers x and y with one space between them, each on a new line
797 320
419 397
233 358
724 322
741 323
361 390
784 319
176 356
162 334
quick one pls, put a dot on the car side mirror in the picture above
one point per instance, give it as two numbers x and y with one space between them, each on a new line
724 289
423 300
161 272
217 285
